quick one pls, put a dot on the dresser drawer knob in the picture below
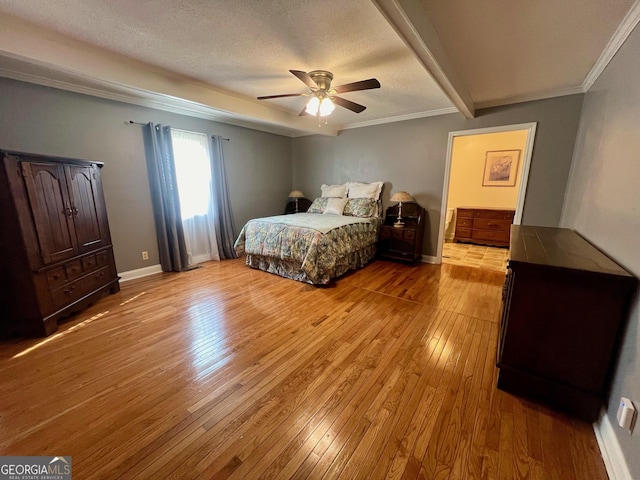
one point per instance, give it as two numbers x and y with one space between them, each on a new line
69 290
56 276
99 276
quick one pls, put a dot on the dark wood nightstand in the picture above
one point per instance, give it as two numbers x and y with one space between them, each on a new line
303 206
403 243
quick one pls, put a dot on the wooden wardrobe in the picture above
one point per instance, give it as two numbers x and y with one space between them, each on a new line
56 253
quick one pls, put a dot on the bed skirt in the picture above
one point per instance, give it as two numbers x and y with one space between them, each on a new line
295 271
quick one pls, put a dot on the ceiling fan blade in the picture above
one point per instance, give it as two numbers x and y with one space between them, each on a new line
361 85
348 104
304 76
280 96
303 112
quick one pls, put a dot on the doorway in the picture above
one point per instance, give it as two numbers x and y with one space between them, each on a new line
478 147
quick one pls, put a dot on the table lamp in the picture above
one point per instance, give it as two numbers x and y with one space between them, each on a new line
401 197
296 194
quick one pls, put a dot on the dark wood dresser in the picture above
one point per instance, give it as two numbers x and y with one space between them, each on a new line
484 226
56 248
564 306
403 243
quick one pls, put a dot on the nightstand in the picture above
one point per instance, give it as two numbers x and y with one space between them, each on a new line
303 206
403 243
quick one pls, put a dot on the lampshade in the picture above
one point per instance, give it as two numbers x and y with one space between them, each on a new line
312 106
325 105
296 194
402 197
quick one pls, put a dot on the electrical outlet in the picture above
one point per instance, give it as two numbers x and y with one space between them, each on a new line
145 255
626 414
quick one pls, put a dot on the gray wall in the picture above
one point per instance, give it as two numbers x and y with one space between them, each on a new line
602 203
411 156
48 121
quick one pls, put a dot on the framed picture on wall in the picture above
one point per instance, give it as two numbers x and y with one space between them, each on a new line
501 168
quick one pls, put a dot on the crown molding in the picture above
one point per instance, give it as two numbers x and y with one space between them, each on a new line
401 118
530 98
617 40
143 98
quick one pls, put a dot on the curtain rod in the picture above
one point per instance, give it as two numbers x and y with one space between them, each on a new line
140 123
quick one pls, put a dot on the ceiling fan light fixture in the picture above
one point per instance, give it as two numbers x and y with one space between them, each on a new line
326 107
322 97
320 106
313 106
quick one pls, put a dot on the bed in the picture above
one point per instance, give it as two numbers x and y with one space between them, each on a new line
338 233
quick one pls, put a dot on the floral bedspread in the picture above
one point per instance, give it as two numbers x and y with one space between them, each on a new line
316 246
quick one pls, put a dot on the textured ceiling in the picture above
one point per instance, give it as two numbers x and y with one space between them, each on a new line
222 53
510 50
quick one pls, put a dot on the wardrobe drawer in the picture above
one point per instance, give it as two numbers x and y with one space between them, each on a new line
102 258
73 269
465 212
76 290
89 263
56 277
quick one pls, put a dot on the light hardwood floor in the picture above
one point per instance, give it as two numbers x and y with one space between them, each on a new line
479 256
228 372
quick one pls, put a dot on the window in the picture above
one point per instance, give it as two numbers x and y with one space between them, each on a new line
193 172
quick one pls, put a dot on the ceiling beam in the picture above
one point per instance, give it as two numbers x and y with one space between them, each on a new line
411 22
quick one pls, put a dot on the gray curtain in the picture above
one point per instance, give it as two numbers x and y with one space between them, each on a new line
225 231
164 197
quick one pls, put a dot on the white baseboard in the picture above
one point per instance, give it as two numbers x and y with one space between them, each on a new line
139 273
429 259
614 461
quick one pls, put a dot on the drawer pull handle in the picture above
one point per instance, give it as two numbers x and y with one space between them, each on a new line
56 276
69 290
99 276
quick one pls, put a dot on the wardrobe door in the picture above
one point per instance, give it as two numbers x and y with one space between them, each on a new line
86 205
51 209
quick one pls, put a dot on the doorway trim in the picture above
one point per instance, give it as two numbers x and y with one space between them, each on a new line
524 178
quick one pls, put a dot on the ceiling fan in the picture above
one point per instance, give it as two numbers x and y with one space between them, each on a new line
323 97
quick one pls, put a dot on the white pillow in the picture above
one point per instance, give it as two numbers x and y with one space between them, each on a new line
338 191
365 190
335 206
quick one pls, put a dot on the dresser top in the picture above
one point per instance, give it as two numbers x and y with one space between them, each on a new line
501 209
561 248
